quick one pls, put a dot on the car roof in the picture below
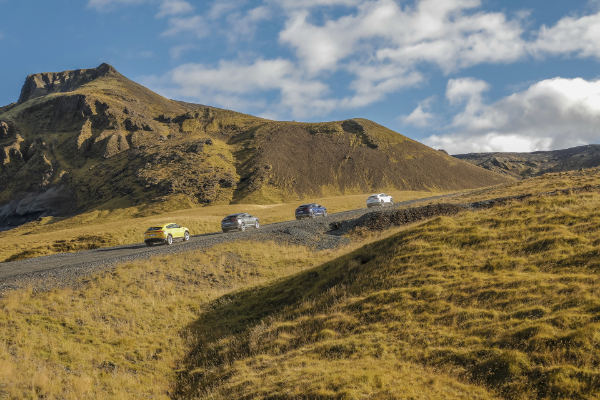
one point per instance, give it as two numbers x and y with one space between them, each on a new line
162 225
308 204
234 215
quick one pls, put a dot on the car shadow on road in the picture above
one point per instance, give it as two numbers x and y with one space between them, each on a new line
132 247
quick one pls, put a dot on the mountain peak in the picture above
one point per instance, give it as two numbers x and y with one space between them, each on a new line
37 85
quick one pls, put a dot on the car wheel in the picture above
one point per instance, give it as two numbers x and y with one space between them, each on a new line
186 236
256 225
298 218
149 244
313 215
391 202
382 203
325 213
224 230
242 227
169 239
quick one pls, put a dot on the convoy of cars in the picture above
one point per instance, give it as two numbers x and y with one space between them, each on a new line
239 222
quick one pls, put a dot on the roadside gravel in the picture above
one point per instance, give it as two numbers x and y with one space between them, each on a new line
68 269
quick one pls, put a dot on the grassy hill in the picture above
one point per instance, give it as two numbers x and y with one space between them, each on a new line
94 140
498 303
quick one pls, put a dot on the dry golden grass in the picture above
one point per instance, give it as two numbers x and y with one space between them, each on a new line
118 336
504 299
104 228
500 303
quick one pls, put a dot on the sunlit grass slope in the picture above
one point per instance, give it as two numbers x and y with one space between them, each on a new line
505 299
120 335
104 228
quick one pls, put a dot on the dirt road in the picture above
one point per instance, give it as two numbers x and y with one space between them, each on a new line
67 268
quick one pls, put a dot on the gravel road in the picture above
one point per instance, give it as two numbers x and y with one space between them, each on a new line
66 269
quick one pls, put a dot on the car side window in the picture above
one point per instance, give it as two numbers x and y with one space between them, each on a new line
177 226
168 226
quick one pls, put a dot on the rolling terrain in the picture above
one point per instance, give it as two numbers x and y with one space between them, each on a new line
92 139
495 303
525 165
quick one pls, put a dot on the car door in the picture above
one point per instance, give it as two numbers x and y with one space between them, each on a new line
179 231
251 220
319 209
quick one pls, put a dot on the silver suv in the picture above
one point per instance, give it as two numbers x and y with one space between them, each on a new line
239 222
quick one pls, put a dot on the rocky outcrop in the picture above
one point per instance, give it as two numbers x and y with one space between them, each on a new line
42 84
116 144
54 201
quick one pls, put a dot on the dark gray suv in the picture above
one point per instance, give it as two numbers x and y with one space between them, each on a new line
239 222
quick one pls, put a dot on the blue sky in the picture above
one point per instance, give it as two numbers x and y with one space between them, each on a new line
463 75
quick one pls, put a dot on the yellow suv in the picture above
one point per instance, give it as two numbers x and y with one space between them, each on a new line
165 234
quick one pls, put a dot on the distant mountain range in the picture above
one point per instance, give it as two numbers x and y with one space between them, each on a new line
93 139
525 165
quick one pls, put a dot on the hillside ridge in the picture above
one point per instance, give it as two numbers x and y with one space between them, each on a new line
525 165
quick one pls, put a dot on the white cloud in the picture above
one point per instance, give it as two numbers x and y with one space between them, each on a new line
420 117
237 85
442 32
174 7
570 36
195 25
551 114
374 82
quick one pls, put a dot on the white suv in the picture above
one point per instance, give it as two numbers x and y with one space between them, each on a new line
380 199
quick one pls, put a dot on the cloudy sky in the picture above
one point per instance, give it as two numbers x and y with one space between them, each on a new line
462 75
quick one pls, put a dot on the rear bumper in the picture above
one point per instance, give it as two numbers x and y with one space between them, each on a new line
155 240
